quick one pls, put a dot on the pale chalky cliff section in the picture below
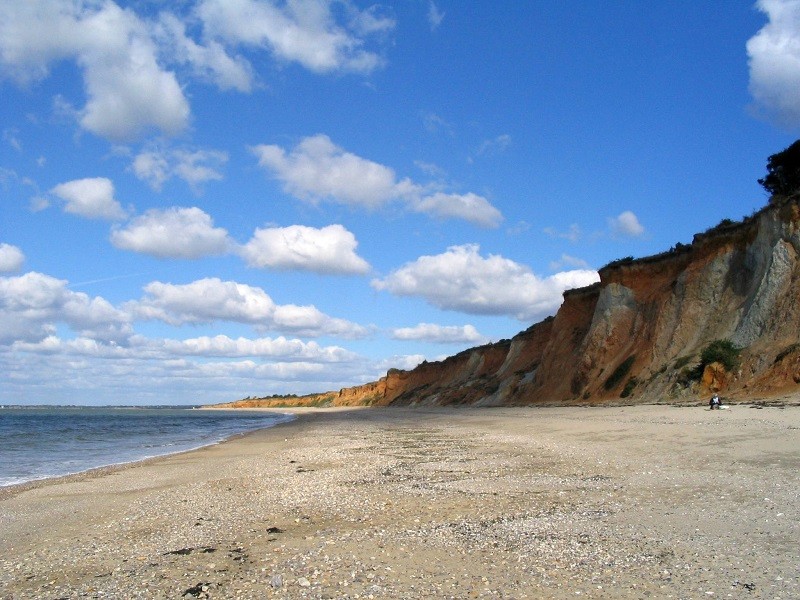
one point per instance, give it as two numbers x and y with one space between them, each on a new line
737 282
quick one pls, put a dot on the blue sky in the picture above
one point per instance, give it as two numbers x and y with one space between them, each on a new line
206 200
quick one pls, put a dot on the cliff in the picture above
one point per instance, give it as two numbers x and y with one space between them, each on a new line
638 333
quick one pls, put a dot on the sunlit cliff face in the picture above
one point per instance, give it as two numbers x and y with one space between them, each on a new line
650 318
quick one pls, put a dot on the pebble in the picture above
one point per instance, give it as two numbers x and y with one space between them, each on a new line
406 506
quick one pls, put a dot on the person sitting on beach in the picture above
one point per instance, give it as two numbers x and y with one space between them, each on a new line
714 402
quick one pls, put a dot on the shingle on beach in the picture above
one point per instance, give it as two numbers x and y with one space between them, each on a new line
614 502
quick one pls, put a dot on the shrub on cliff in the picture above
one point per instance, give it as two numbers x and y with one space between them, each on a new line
783 172
721 351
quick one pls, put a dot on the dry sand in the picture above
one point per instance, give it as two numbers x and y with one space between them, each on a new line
626 502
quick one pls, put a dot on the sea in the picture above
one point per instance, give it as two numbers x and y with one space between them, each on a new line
37 442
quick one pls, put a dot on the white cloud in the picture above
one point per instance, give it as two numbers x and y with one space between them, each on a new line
435 16
431 169
774 59
32 304
11 258
219 346
573 234
153 167
195 370
157 165
569 261
210 62
405 362
125 59
626 225
278 348
330 250
203 301
518 228
11 136
92 198
440 334
305 32
38 203
172 233
317 169
368 21
469 207
127 91
495 146
462 280
433 123
209 300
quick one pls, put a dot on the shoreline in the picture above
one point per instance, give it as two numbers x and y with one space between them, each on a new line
11 489
619 502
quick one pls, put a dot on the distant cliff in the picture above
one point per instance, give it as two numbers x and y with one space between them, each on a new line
638 333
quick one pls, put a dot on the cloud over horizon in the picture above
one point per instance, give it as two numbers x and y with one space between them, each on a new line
211 299
440 334
460 279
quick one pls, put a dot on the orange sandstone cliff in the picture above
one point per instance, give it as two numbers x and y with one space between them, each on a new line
637 333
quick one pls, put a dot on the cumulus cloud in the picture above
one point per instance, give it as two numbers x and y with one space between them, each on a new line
329 250
157 165
626 225
209 62
469 207
317 169
213 369
172 233
127 90
219 346
211 299
33 304
303 32
11 258
278 348
92 198
774 60
440 334
125 58
461 279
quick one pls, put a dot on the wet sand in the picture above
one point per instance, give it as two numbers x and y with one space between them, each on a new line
623 502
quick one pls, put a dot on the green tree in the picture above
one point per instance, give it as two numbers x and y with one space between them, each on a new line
783 172
721 351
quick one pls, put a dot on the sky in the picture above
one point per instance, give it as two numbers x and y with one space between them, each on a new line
205 200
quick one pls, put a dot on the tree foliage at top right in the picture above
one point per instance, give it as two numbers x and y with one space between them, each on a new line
783 172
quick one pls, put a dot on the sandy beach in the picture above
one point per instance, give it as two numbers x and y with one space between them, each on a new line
621 502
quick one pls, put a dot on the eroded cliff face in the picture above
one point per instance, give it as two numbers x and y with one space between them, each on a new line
648 319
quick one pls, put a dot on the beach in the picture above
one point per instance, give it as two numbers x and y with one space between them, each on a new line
617 502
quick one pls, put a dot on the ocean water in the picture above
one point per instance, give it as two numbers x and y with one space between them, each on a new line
39 442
